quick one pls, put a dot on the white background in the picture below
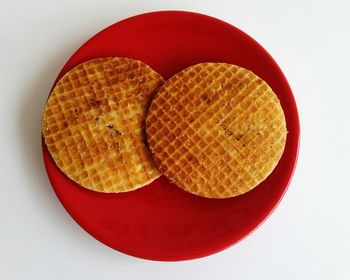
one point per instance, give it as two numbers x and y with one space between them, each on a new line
307 237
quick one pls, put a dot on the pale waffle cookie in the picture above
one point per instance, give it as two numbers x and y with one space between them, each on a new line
216 130
94 121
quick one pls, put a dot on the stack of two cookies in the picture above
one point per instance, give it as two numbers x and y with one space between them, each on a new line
214 129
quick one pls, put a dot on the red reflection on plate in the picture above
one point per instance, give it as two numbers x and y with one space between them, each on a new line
160 221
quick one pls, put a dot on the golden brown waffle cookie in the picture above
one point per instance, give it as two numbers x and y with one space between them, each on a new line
93 124
216 130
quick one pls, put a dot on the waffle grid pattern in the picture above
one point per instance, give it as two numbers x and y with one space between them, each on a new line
93 124
216 130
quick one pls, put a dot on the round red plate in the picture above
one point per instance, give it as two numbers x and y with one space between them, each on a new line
160 221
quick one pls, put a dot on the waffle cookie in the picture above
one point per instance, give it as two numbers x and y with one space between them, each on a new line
216 130
94 120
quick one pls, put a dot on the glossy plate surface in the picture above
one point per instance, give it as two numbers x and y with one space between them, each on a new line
160 221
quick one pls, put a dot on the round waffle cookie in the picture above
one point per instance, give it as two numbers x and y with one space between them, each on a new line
94 120
216 130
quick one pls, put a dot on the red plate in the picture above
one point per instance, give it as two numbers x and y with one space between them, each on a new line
160 221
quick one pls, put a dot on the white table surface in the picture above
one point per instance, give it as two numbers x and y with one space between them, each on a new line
307 237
